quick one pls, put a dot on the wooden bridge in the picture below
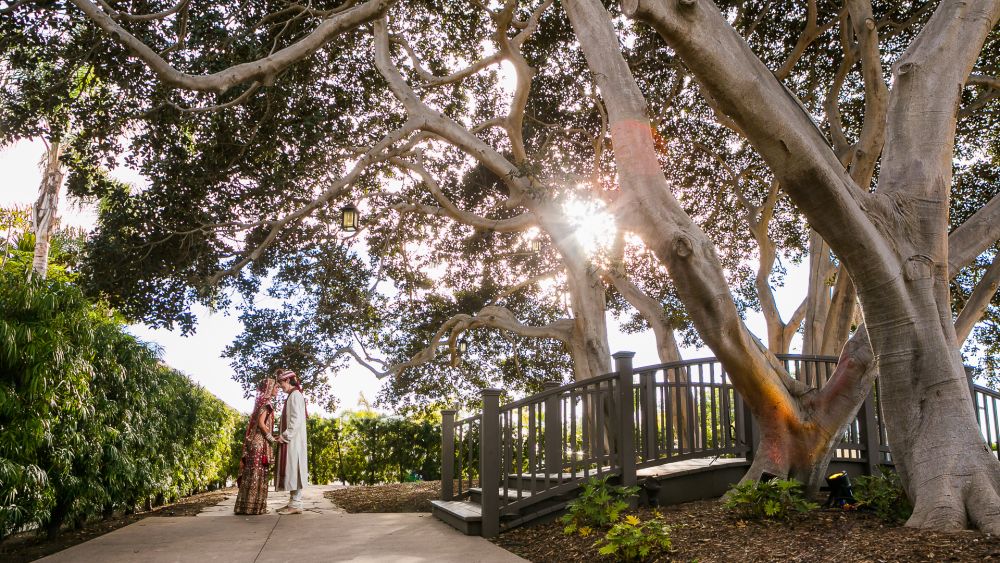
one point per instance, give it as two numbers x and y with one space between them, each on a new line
681 424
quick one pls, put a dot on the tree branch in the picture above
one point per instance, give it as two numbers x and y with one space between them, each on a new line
811 32
974 236
928 80
869 145
657 216
261 70
775 123
440 124
377 154
116 15
978 301
491 316
651 310
431 79
514 224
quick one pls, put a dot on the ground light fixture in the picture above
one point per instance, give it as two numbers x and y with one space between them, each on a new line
349 218
841 493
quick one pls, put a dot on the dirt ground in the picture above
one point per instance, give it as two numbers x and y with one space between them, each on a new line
703 531
29 546
393 497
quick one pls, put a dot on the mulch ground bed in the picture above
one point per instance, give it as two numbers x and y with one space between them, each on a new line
29 546
703 531
392 497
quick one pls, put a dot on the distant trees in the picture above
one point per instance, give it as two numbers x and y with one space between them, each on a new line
363 447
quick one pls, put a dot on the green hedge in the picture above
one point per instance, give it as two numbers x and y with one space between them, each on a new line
90 421
365 448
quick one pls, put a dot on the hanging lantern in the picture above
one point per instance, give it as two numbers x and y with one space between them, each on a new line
536 245
462 345
349 218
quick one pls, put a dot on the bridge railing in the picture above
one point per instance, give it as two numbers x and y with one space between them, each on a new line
461 450
686 410
545 444
987 405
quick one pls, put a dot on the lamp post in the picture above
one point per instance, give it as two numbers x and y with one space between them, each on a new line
349 218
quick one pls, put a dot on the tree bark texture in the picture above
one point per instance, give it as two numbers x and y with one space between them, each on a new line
45 213
894 242
785 408
818 296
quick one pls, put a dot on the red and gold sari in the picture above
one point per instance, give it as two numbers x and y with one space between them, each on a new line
256 460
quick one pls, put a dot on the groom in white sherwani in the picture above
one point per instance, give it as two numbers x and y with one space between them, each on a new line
292 466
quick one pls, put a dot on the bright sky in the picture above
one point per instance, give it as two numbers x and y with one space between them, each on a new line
199 356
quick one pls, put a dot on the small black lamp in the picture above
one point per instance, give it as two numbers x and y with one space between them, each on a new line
841 493
349 218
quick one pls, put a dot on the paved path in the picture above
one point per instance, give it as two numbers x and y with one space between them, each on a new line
323 533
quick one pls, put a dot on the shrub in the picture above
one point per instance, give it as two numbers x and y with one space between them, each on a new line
368 448
884 494
777 499
91 421
598 505
634 540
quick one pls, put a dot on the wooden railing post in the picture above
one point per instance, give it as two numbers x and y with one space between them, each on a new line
626 421
489 459
647 398
869 425
553 430
447 454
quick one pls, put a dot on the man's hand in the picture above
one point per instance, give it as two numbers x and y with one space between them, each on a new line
281 440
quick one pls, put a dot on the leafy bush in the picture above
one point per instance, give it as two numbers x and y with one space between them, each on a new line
367 448
884 494
777 499
598 505
90 421
634 540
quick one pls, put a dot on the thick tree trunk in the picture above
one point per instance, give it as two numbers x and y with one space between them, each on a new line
948 469
802 446
894 242
782 403
45 213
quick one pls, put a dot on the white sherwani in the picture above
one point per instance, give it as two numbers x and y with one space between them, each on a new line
295 472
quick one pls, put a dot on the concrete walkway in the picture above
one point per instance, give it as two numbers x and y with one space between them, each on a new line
323 533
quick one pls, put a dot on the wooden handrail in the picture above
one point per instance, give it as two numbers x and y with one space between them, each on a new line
543 445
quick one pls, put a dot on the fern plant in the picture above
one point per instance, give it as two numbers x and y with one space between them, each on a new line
634 540
777 499
884 494
598 505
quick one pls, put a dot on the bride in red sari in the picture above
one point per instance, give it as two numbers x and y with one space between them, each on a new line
256 460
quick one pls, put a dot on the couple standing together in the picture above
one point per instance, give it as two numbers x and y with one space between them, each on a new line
291 465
